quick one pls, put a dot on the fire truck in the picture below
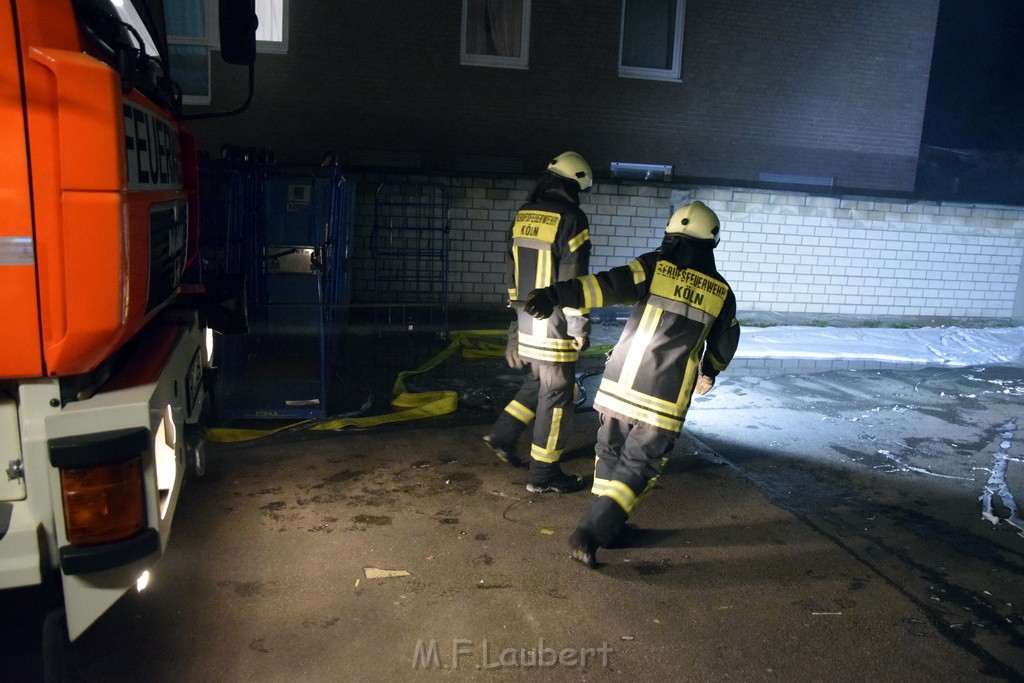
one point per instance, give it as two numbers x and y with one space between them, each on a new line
104 340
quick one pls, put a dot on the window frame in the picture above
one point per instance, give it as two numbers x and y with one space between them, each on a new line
272 47
206 40
211 41
672 74
195 99
497 61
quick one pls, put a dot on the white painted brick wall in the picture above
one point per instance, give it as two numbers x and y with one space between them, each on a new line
783 252
795 253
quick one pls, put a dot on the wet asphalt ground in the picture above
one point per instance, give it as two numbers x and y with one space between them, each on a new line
831 523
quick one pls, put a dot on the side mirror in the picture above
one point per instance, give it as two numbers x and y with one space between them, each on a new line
238 24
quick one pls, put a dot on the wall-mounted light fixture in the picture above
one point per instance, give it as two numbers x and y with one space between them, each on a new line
628 171
790 179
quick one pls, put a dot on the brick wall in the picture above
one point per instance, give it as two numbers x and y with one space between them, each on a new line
864 257
783 252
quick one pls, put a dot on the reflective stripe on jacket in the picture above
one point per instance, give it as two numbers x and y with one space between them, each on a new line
549 241
683 323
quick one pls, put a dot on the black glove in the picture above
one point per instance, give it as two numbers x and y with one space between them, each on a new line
541 303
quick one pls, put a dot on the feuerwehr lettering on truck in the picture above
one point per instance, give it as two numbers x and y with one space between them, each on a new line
153 150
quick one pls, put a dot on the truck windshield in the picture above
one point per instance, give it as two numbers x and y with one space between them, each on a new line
129 15
122 33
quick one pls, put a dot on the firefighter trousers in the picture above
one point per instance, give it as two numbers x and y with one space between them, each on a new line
630 457
546 399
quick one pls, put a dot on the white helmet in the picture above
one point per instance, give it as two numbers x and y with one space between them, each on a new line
572 166
694 220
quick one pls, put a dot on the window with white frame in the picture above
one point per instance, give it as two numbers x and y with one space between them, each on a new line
272 32
193 30
190 33
651 41
496 33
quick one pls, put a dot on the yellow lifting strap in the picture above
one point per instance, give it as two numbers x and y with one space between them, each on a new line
408 406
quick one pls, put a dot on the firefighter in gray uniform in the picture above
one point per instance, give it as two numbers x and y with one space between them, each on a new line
549 241
680 335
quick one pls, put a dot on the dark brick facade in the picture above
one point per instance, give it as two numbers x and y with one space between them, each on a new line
821 88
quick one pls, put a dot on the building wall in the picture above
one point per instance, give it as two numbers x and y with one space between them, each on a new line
787 253
830 89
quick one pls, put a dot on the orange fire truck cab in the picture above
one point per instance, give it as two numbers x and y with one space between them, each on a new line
102 358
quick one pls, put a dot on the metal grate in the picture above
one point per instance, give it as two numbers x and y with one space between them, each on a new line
410 243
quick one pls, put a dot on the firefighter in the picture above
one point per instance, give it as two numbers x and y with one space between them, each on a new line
549 241
679 336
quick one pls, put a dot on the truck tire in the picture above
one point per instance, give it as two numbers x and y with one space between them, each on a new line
55 646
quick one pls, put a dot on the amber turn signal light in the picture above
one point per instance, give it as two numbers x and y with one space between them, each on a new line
104 503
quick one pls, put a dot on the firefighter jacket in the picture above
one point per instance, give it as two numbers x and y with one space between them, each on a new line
549 241
684 323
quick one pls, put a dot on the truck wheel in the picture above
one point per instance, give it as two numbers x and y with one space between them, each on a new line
55 646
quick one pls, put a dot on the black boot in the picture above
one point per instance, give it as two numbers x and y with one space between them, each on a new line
548 477
583 547
506 453
604 520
